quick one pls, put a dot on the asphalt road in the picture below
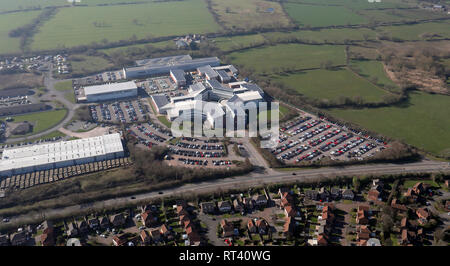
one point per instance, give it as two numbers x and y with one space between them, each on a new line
254 179
51 95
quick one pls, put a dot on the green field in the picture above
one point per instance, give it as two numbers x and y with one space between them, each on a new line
83 25
331 85
421 31
357 4
238 42
325 35
41 120
399 15
249 14
323 16
66 86
10 22
424 122
83 64
373 71
124 49
292 56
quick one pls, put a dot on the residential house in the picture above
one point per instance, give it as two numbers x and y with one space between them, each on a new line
104 222
47 227
289 227
145 237
248 203
94 223
419 188
348 194
118 220
238 206
423 215
224 206
72 230
324 194
335 193
377 182
322 240
282 191
260 200
148 219
48 239
208 207
362 215
119 240
404 222
251 226
446 183
362 233
312 194
156 235
263 226
374 195
227 228
289 211
398 206
447 205
4 240
193 236
165 232
83 227
19 239
181 209
184 218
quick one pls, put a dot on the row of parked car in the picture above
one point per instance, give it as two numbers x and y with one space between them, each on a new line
198 146
188 153
294 123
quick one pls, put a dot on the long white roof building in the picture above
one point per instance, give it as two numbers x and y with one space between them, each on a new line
60 154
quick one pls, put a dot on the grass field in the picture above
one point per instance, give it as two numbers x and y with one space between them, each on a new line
41 120
399 15
66 86
159 45
325 35
249 14
357 4
10 22
322 16
113 23
237 42
331 84
84 64
421 31
293 56
424 122
373 71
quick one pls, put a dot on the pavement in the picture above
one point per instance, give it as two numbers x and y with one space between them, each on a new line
51 95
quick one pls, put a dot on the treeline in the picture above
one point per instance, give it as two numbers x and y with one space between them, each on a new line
26 32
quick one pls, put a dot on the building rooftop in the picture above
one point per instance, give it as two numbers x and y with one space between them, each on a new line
60 151
112 87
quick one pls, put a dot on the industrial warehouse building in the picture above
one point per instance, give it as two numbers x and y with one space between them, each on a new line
107 92
163 65
60 154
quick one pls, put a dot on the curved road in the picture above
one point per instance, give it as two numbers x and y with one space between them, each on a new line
51 95
238 182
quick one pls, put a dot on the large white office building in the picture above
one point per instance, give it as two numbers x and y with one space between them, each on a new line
60 154
110 91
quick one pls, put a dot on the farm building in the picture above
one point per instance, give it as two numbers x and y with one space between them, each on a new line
109 91
60 154
163 65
